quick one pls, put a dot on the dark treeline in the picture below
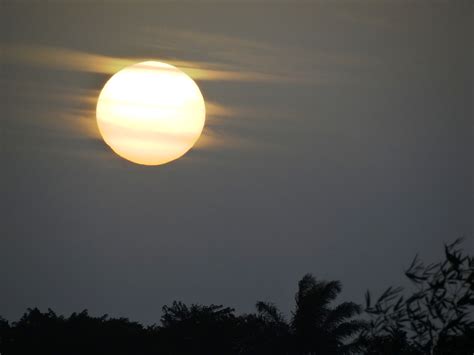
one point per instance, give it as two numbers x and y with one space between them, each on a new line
434 317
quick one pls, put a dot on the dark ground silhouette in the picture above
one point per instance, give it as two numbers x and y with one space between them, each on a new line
433 318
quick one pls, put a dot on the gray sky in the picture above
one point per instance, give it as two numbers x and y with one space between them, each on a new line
338 141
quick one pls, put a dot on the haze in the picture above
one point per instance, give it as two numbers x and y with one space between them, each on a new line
338 141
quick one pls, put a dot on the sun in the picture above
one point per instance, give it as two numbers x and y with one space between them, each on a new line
150 113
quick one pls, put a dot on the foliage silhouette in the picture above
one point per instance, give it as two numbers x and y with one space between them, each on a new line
317 327
79 334
435 319
265 332
198 329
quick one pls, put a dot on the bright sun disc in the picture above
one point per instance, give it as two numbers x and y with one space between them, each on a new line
150 113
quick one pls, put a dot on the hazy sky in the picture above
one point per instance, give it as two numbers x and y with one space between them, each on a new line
338 141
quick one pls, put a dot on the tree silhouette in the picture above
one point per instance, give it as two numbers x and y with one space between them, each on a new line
265 332
198 329
436 318
319 328
4 333
38 332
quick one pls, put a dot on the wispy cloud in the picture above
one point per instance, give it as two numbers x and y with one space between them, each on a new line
255 60
207 57
68 59
62 58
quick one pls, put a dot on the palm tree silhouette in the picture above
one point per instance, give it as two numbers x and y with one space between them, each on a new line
319 328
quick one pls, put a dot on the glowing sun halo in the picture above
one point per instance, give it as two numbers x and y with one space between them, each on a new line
150 113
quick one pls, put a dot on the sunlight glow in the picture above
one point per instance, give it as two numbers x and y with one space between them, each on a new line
150 113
